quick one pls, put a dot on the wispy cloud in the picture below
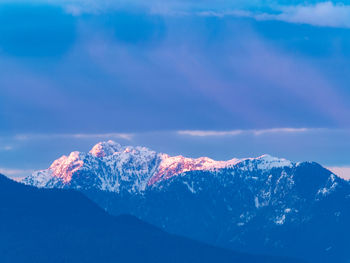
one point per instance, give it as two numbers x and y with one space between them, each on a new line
204 133
125 136
325 14
343 172
13 173
200 133
281 130
321 14
328 13
6 148
130 136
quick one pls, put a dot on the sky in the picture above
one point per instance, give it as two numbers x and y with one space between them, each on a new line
212 78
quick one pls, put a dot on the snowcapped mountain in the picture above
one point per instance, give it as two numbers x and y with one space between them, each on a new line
260 205
111 167
108 167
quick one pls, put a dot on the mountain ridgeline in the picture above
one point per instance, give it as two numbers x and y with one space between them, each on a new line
256 205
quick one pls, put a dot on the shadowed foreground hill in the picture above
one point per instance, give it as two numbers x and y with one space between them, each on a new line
41 225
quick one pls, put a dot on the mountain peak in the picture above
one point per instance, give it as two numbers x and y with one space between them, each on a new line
103 149
268 162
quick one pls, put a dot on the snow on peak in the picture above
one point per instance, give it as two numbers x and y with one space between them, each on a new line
174 165
268 162
104 149
61 170
66 166
110 166
264 162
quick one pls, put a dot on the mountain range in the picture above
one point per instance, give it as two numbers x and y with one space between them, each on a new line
53 225
257 205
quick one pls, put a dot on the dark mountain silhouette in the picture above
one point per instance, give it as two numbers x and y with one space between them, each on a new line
54 225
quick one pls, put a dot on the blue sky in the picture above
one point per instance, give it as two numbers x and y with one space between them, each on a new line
218 78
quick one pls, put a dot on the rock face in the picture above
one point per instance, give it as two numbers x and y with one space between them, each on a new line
264 204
